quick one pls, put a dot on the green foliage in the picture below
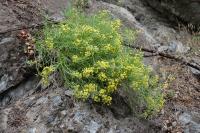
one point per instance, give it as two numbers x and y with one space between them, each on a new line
88 52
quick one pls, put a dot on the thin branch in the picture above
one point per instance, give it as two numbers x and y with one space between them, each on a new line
180 59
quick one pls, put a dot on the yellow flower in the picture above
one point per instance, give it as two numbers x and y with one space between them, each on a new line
77 74
103 14
88 72
112 86
88 53
49 43
85 94
75 58
106 99
45 74
96 99
65 27
76 87
165 85
109 48
89 29
102 92
123 75
90 87
102 76
116 24
77 42
103 64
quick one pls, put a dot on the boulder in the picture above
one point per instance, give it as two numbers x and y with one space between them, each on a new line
186 10
15 15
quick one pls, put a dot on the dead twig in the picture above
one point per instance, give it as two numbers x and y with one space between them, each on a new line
180 59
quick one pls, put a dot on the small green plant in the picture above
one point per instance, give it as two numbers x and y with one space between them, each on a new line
88 53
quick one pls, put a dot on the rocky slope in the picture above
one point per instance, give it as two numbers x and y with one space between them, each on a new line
185 10
26 106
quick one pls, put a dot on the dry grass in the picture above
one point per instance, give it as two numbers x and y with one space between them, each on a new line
190 36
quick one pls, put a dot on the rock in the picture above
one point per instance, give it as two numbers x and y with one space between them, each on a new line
163 49
63 113
69 93
32 130
190 121
3 83
13 69
174 47
8 40
23 89
177 46
41 100
93 127
56 100
4 120
186 10
174 124
195 71
12 62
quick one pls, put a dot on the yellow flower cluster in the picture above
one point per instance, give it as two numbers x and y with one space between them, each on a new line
103 64
112 86
77 42
87 90
105 98
89 29
49 43
75 59
77 74
65 27
88 72
109 48
45 74
116 24
102 76
103 14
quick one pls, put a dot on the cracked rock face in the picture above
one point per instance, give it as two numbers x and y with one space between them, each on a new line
55 110
186 10
12 61
28 107
14 15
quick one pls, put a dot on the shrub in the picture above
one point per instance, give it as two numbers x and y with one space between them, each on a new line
88 52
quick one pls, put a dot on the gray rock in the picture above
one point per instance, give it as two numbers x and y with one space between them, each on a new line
8 40
32 130
174 124
191 122
195 71
174 47
163 49
177 46
69 92
3 83
187 10
42 100
4 120
57 100
25 88
93 127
